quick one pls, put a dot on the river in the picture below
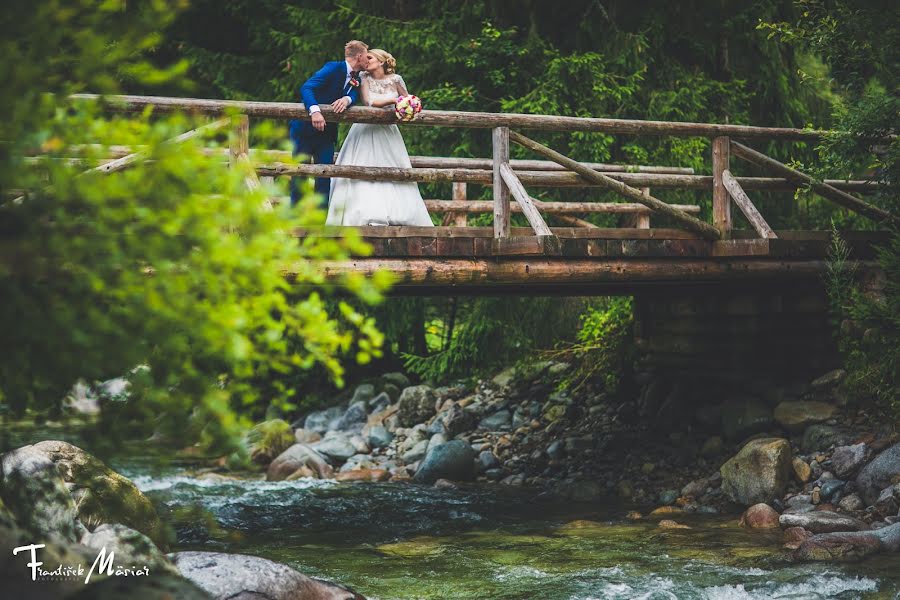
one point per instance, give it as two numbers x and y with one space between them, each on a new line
404 541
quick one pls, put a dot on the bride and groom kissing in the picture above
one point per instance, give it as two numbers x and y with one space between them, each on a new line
368 78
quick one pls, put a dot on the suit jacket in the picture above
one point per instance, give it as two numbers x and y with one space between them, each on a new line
324 87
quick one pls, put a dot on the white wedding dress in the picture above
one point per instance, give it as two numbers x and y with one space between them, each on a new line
359 202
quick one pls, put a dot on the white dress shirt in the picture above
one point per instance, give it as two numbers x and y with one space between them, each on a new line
315 107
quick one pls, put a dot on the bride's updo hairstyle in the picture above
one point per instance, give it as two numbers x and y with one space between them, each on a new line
390 63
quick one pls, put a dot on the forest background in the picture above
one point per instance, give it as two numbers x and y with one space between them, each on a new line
800 63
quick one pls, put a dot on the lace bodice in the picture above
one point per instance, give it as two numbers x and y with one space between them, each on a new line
386 88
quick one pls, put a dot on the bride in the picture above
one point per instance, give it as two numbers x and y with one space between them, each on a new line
358 202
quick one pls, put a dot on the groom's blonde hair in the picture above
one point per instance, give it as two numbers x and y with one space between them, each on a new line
355 48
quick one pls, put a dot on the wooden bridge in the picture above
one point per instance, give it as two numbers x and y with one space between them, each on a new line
579 258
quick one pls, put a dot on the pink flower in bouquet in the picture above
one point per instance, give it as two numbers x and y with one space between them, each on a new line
407 107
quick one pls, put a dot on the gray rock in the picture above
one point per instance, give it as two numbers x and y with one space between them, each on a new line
158 586
381 402
744 416
391 391
354 418
36 494
556 450
888 501
379 436
457 420
828 381
519 418
830 489
416 405
499 421
504 377
322 421
337 448
487 460
437 426
516 479
847 459
879 474
363 393
821 521
130 546
453 460
796 415
295 458
416 452
242 577
668 497
360 444
396 378
759 472
436 440
851 503
822 437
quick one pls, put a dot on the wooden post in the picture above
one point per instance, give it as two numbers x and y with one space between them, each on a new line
642 220
696 225
823 189
518 192
721 199
743 201
239 144
459 195
501 190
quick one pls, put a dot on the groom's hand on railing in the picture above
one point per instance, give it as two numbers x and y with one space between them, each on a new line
340 105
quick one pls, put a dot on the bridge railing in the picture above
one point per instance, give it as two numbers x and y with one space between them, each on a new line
509 177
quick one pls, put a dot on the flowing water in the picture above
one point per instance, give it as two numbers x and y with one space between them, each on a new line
399 541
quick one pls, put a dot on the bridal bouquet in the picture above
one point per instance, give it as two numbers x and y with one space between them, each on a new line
407 107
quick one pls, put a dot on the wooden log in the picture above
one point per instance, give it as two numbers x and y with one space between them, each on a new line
853 203
574 274
442 118
396 231
743 201
553 208
501 190
721 202
459 219
130 159
703 229
517 190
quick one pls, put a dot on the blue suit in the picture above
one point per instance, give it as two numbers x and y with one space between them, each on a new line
324 87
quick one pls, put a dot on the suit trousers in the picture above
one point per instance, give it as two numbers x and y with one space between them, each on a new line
322 153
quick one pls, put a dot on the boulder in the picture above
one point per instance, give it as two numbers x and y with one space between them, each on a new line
499 421
743 416
156 587
453 460
851 503
398 379
416 405
487 460
36 495
101 494
268 439
795 536
416 452
336 448
795 415
363 393
379 436
131 547
381 401
355 417
305 436
458 420
888 501
759 472
822 437
295 458
841 546
846 460
243 577
879 474
822 521
322 421
760 516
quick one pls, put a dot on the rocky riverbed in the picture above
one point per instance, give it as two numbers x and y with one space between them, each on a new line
507 487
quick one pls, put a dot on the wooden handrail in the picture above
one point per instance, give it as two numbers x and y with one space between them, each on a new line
553 208
704 229
447 118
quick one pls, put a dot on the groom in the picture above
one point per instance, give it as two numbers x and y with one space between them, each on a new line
335 84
